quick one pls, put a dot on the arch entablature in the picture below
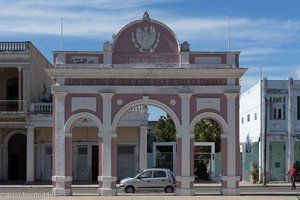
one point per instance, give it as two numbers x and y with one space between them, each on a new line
70 122
159 104
12 133
210 115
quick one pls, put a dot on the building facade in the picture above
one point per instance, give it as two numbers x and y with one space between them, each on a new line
269 115
144 65
26 124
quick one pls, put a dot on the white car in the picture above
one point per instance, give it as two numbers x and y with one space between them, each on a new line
150 179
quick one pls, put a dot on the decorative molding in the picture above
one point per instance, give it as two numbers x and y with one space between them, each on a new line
205 103
89 103
120 102
84 60
172 102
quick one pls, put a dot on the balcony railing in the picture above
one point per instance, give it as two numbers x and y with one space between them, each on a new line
12 106
139 109
47 108
41 108
14 46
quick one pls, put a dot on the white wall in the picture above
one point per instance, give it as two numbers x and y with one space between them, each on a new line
250 104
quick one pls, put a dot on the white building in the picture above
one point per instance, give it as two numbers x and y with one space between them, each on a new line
270 115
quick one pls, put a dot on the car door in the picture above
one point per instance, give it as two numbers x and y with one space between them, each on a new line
144 180
159 180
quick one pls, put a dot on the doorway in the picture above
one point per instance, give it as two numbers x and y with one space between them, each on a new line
17 157
95 163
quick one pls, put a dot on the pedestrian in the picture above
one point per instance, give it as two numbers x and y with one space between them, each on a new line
292 172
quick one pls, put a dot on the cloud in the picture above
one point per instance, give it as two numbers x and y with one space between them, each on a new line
297 72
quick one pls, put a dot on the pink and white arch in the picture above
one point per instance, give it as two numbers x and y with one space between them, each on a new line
145 65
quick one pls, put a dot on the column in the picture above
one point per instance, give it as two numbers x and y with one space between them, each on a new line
59 177
5 163
231 149
107 151
143 147
19 88
185 172
68 163
30 155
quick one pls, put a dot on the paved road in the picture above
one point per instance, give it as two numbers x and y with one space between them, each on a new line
204 191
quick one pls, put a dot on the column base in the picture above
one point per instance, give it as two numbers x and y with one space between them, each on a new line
62 185
107 192
185 192
61 192
230 192
185 185
107 186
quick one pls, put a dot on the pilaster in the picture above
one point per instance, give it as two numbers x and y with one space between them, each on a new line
19 88
30 155
185 178
107 151
230 178
59 177
143 147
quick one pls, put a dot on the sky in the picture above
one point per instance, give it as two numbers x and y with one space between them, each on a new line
266 32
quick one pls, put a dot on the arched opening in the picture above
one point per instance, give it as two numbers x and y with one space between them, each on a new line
140 145
17 157
207 150
84 129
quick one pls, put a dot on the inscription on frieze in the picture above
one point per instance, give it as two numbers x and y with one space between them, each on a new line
149 82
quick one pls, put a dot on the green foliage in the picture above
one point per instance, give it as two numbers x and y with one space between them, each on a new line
165 130
254 171
200 169
208 130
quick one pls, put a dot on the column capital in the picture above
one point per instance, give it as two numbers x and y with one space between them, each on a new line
19 68
60 94
231 94
30 127
68 135
108 95
185 94
112 135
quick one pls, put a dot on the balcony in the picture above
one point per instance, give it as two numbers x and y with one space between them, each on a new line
14 46
41 108
12 106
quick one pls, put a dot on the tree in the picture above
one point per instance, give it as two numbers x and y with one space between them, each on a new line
165 130
208 130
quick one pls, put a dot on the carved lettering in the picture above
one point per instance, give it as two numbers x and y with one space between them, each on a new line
146 82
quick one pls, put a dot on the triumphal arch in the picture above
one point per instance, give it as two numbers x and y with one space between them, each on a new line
145 65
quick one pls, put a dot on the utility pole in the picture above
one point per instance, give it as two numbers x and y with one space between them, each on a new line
265 144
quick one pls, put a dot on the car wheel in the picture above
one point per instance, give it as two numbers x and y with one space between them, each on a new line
169 189
129 189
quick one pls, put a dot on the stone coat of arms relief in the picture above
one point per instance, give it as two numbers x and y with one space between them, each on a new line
146 39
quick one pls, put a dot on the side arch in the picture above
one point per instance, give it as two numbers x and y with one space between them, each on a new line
210 115
70 122
163 106
12 133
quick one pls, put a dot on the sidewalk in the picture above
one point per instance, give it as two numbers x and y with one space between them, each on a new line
205 191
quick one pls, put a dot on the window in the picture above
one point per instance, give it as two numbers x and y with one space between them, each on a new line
248 118
146 174
255 116
242 120
159 174
277 108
